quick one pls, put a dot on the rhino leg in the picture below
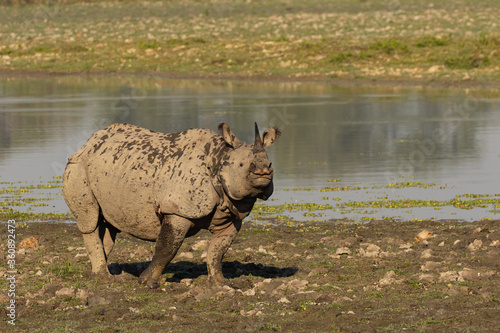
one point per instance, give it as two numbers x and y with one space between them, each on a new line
99 244
108 236
95 249
219 244
172 233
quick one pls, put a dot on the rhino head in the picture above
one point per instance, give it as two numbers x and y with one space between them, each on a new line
246 170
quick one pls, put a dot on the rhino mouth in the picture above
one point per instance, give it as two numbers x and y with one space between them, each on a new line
263 173
261 179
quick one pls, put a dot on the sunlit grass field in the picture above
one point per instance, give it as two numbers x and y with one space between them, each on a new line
427 41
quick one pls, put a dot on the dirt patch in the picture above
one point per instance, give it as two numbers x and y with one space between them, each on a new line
322 277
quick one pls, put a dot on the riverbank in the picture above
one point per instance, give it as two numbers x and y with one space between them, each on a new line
446 43
312 277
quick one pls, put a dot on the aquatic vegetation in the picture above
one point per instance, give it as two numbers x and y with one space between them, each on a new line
410 184
29 196
278 209
340 188
34 198
11 214
409 203
295 189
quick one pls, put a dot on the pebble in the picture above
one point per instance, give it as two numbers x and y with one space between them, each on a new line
406 246
449 276
187 282
372 250
187 255
426 254
249 292
297 284
200 245
388 279
424 234
469 274
29 243
475 245
66 292
431 266
343 251
82 294
426 277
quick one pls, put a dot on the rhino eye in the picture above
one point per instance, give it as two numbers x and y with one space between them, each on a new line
241 164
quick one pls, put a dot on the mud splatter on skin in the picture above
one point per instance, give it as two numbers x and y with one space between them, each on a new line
140 177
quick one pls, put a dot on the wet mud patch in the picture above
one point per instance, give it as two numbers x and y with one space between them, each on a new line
312 277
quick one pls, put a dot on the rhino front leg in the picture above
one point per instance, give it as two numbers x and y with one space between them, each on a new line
219 244
172 233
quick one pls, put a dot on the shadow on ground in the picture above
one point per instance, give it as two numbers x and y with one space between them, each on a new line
191 270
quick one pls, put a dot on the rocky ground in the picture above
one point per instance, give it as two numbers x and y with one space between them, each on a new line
316 277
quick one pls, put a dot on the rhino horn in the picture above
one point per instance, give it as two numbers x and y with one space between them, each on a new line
258 140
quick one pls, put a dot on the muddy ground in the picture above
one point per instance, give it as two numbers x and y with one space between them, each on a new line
316 277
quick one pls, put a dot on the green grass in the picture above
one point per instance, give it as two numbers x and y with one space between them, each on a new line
320 39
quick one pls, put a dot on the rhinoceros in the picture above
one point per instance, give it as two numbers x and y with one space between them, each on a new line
165 187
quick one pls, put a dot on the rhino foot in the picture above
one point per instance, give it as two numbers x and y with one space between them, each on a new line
149 284
219 282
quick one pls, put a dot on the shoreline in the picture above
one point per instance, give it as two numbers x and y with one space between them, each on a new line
382 82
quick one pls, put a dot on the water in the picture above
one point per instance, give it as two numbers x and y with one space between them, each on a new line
368 137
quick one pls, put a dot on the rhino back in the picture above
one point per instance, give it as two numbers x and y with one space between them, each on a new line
132 170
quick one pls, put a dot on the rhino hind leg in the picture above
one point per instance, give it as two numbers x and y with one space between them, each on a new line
95 249
172 233
108 235
89 220
99 244
219 244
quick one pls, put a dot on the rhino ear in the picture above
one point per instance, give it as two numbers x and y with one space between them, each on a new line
270 136
229 136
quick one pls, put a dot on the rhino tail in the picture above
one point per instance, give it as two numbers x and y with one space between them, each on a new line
79 153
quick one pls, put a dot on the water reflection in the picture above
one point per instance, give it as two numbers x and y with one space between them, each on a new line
358 134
